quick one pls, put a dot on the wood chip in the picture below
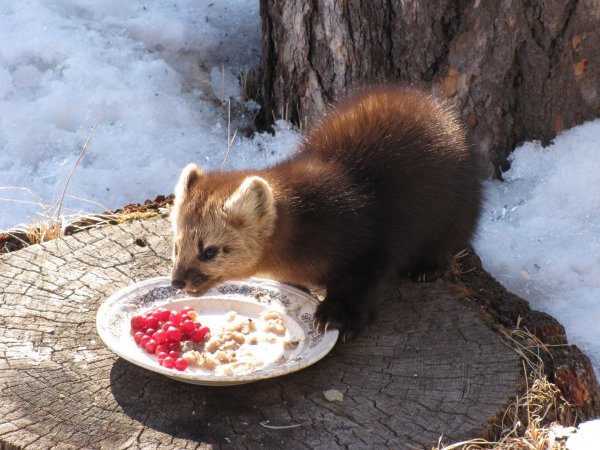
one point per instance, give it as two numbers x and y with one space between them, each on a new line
333 395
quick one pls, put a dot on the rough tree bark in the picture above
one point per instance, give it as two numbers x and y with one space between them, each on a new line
516 69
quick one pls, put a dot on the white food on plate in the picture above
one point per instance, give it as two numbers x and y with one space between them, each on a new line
242 345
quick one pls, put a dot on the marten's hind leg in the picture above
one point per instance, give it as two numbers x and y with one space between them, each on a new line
430 264
426 272
348 306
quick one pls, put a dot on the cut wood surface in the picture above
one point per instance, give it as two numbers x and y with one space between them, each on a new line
429 366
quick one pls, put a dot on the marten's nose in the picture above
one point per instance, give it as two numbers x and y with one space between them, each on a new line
177 284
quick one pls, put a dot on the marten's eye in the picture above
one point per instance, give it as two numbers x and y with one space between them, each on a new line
209 253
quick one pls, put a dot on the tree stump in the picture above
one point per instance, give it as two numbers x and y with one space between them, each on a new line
517 70
430 365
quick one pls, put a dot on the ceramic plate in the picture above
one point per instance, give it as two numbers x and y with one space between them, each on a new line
248 297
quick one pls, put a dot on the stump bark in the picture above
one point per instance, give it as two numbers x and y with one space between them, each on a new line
517 70
430 365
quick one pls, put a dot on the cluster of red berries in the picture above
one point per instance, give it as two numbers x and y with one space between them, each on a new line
161 332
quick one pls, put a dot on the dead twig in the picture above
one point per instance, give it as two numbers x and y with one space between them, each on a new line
265 424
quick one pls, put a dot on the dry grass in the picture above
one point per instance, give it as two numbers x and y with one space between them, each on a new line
59 217
53 219
42 232
136 215
536 419
525 425
45 231
251 84
57 220
230 140
455 267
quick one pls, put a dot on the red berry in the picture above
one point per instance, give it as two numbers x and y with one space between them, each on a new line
187 326
168 362
195 336
174 354
144 340
181 364
161 337
137 336
161 348
174 334
152 322
168 325
199 335
150 346
176 318
173 346
161 356
163 314
138 322
150 331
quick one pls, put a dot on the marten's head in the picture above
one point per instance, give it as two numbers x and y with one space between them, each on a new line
221 223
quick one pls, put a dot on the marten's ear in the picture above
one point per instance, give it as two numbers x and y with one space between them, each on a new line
189 176
252 202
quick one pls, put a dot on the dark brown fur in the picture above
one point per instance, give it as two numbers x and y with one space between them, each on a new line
386 180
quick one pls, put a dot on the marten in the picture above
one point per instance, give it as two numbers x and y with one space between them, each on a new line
385 180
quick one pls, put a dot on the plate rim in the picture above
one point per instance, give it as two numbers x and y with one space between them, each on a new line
329 338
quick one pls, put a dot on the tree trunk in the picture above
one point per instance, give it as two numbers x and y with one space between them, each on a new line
517 69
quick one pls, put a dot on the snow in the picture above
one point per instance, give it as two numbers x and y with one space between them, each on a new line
586 437
152 76
540 232
157 76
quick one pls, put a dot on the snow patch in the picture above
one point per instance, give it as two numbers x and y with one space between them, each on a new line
540 231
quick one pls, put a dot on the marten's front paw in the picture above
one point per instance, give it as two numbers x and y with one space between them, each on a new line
336 315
